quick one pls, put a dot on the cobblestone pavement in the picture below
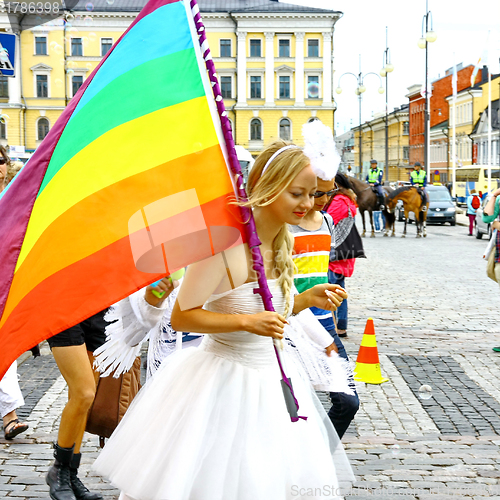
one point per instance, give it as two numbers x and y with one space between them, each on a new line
434 314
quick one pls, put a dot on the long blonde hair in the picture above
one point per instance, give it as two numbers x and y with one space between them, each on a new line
264 189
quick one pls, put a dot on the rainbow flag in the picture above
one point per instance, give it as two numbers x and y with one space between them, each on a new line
131 183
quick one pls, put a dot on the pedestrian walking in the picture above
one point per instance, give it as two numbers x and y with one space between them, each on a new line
11 397
214 417
313 242
473 203
73 351
342 206
490 216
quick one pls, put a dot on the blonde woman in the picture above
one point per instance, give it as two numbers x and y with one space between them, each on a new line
212 423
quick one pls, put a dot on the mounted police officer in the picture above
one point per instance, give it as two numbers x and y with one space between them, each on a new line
418 178
374 178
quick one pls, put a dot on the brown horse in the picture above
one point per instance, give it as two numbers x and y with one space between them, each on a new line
367 201
412 203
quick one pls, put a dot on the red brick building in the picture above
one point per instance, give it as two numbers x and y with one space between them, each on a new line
438 107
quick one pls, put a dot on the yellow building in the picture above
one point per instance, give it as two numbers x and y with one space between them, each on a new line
274 63
470 109
373 144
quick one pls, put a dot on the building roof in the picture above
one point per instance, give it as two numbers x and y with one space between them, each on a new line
242 6
442 125
495 117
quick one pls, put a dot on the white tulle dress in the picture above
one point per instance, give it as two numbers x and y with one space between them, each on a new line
212 424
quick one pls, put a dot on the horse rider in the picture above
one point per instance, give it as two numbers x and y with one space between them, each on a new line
418 178
374 178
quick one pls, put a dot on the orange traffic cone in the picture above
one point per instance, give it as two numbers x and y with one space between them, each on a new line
368 365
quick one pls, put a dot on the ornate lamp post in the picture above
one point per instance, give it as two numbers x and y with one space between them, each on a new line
387 68
360 77
428 36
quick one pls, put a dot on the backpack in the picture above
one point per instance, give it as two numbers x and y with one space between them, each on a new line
112 399
475 203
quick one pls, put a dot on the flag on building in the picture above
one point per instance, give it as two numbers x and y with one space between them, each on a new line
131 183
454 81
481 61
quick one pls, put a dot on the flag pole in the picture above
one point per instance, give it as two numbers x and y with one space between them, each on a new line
249 222
453 124
489 112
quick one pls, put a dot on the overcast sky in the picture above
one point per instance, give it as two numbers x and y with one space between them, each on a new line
461 26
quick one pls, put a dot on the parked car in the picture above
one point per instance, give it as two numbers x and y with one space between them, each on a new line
482 227
441 207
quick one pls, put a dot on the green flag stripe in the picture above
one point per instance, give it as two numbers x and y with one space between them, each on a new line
142 90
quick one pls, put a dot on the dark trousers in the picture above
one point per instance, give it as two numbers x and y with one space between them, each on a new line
344 406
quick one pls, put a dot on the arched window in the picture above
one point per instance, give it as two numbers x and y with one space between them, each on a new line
43 128
285 132
255 130
313 119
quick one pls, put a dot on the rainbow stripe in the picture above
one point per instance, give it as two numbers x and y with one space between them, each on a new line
142 132
311 257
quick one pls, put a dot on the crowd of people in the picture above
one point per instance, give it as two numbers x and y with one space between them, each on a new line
213 414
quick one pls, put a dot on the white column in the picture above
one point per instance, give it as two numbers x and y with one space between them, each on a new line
15 82
242 68
269 68
327 68
299 68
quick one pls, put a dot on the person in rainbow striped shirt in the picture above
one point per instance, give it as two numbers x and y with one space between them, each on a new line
311 252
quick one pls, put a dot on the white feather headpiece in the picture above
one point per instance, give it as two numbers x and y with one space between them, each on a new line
320 148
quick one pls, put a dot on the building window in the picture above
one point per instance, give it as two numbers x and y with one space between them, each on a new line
226 84
42 128
255 87
42 86
255 48
312 48
406 153
4 86
255 130
406 128
3 130
106 44
41 45
284 48
313 87
285 129
77 82
284 87
76 47
225 47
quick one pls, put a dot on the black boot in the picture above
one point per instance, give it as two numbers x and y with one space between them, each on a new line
79 489
58 477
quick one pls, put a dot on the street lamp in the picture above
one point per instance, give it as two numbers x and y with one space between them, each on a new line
359 91
429 36
387 68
